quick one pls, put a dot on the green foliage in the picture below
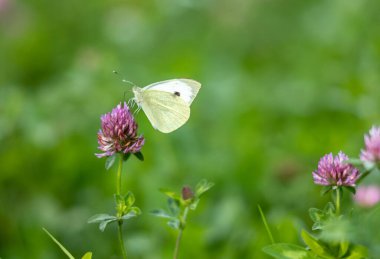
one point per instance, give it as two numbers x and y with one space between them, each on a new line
124 211
320 217
283 82
178 205
288 251
87 255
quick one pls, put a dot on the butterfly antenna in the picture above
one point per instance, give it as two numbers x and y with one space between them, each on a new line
123 80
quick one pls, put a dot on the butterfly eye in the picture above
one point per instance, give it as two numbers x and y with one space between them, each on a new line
177 93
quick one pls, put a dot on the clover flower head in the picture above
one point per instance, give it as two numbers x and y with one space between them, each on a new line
334 171
371 153
367 196
119 133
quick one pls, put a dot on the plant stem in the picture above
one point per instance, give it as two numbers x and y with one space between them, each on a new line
338 201
181 228
118 192
121 241
118 177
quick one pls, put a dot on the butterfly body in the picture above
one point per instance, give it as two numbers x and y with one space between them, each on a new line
167 103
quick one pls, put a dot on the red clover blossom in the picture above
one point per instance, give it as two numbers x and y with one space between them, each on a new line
119 133
371 153
333 171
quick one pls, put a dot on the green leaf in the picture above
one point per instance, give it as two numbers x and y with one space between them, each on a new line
119 199
126 156
59 244
266 225
202 187
343 248
329 209
161 214
103 219
325 189
110 161
357 252
139 156
351 189
135 210
100 217
87 255
103 224
129 215
129 199
316 215
288 251
173 206
174 223
194 204
315 245
170 194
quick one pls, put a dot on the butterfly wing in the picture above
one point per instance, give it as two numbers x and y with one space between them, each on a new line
186 89
165 110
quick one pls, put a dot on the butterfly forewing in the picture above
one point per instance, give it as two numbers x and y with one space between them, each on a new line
165 110
186 89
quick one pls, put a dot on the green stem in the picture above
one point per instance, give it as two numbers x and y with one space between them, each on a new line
118 192
338 194
121 241
118 177
181 228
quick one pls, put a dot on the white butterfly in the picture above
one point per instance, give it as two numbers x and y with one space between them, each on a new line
167 103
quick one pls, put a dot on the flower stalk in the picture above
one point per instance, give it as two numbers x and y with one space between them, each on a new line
180 232
118 192
338 198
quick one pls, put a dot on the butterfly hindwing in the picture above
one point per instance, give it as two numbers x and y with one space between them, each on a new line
165 110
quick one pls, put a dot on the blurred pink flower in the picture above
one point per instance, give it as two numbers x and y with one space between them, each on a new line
367 196
371 153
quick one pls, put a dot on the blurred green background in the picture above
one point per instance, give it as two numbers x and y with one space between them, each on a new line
283 83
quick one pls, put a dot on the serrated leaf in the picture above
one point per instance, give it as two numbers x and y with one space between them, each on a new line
139 156
110 161
161 214
59 244
129 199
103 224
315 245
288 251
202 187
173 206
174 223
87 255
99 218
